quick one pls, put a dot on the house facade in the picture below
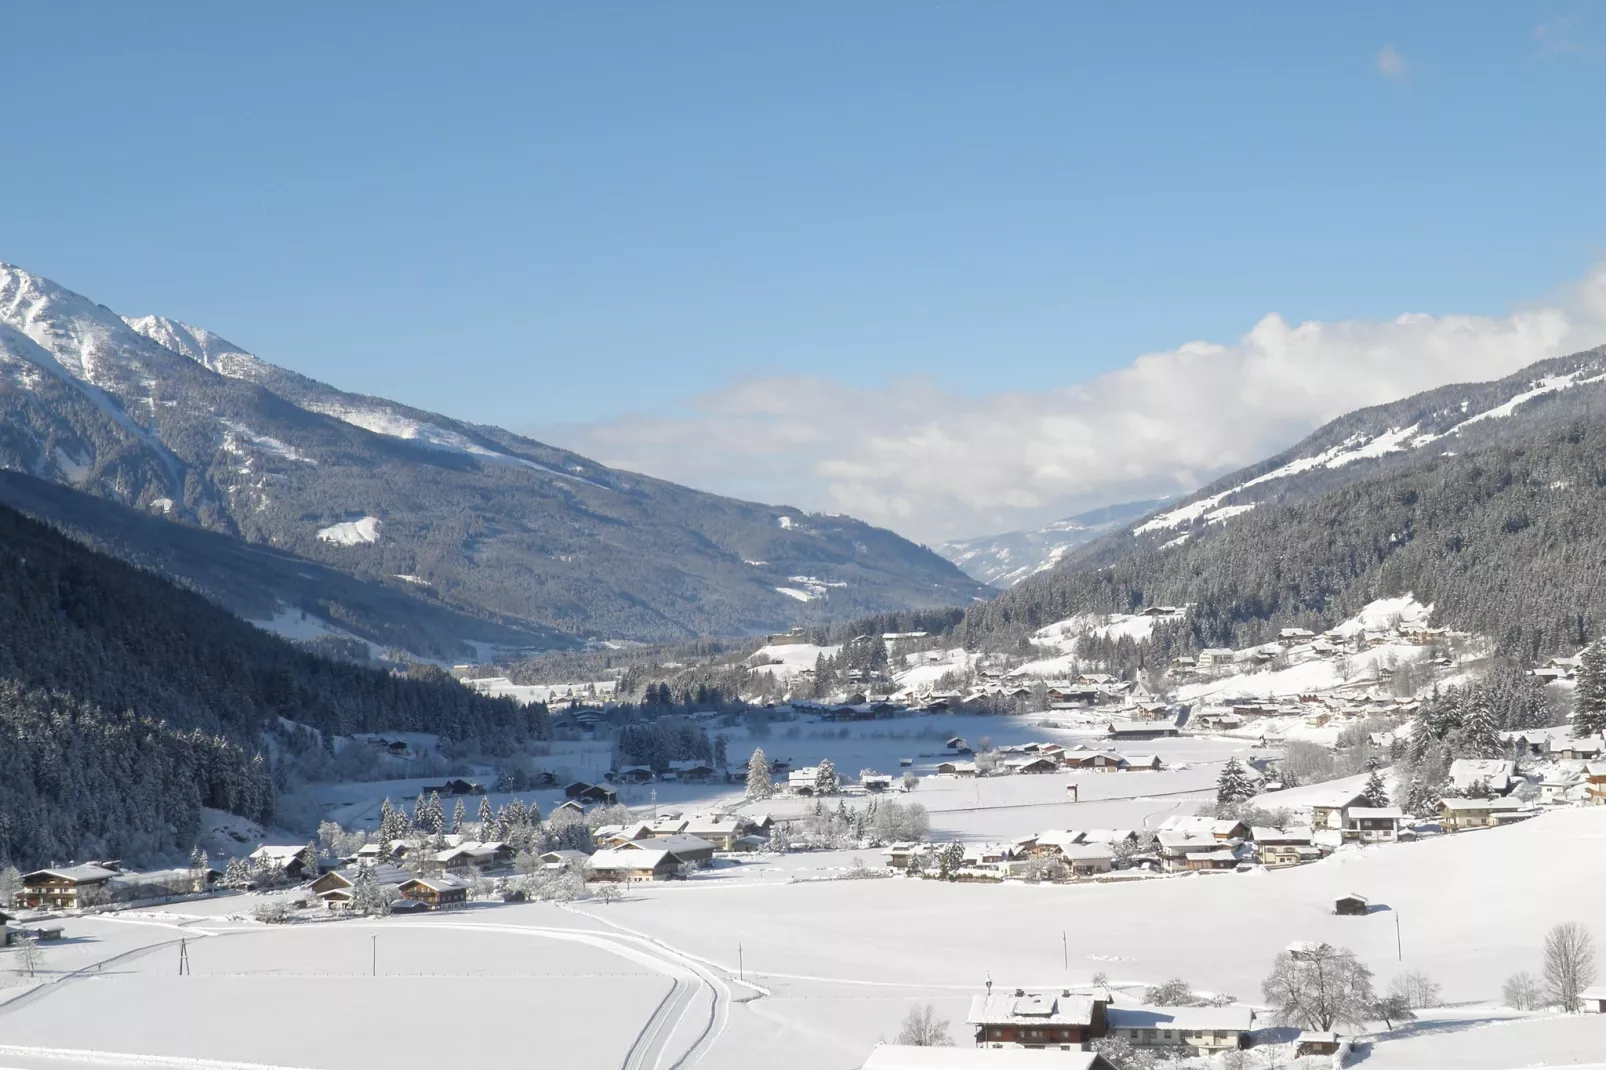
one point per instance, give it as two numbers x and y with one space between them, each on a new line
1017 1018
66 888
1374 824
1195 1030
437 893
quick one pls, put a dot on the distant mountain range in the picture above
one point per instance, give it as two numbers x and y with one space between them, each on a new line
1005 560
1483 499
501 538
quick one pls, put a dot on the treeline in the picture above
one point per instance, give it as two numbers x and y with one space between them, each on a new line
1505 542
129 703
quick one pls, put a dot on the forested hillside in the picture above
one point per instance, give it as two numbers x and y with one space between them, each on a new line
127 703
1506 540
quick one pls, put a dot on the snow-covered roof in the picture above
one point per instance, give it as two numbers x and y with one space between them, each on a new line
85 874
1016 1006
630 858
442 883
1379 813
1234 1019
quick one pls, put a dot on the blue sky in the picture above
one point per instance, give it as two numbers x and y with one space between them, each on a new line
548 215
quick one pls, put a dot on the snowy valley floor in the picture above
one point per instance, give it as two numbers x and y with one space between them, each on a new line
841 961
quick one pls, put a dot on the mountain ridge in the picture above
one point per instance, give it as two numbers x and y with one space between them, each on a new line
174 420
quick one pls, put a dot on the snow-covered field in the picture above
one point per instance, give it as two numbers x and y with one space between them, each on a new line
837 963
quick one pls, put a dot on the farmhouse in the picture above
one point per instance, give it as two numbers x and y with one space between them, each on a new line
1284 847
564 858
1374 824
436 893
1458 814
290 859
956 768
1141 763
1022 1019
1215 657
582 792
1088 859
1097 761
1201 1030
1141 729
334 888
1495 775
627 865
687 850
67 888
1332 812
721 830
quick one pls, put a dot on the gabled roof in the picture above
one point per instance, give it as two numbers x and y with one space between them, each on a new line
1229 1019
85 874
631 858
443 883
1379 813
1017 1006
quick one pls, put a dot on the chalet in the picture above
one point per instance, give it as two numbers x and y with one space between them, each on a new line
1222 830
1141 763
334 888
1313 1043
1458 814
721 830
877 782
1374 824
1592 1000
1296 633
1054 842
913 1057
614 835
1098 761
582 792
289 859
624 865
633 774
802 780
691 770
1199 1030
899 855
1215 657
436 893
1284 847
957 745
1595 783
1588 749
564 858
1496 776
689 851
1022 1019
1088 859
1355 905
1032 764
956 768
1141 729
1110 836
668 825
67 888
1182 851
1332 811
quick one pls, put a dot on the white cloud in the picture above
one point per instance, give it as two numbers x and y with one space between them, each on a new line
1390 64
933 464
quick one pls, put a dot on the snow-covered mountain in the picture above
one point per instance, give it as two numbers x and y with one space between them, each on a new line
1005 560
175 421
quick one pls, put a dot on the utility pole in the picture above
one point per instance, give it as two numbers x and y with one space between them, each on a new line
741 968
183 956
655 804
373 964
1065 947
1399 948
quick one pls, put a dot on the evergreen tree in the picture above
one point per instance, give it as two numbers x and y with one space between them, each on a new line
435 815
826 781
459 817
236 874
760 785
1376 791
486 818
1589 700
367 897
1234 784
1480 737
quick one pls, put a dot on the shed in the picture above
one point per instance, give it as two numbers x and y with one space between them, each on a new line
1312 1043
1592 1000
1351 904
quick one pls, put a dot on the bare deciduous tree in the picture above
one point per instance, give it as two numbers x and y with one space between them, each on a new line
1417 989
1521 991
29 957
1319 988
923 1029
1569 964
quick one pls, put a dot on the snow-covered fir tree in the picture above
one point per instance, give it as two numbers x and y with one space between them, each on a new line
1376 792
487 818
760 785
1234 784
459 817
826 782
1589 700
1479 736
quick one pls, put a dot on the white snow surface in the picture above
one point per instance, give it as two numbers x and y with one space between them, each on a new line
352 532
786 660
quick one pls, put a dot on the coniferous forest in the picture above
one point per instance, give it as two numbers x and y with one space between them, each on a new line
127 703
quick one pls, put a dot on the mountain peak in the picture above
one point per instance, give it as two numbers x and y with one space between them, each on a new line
211 351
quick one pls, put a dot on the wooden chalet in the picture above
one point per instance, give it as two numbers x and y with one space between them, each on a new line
65 888
1374 824
443 892
627 865
582 792
1021 1019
